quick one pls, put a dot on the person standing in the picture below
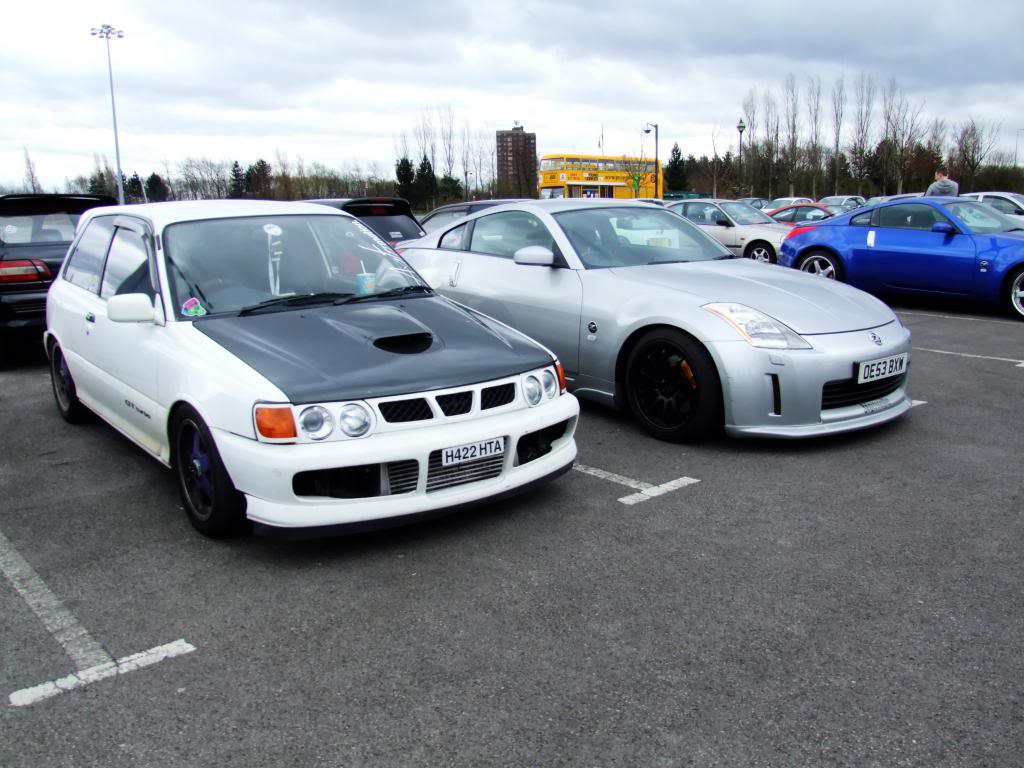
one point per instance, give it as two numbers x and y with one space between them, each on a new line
943 186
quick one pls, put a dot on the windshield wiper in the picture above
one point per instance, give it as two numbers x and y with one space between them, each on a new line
725 256
302 300
403 291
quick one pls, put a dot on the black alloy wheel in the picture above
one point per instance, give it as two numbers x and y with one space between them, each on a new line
64 392
672 386
213 505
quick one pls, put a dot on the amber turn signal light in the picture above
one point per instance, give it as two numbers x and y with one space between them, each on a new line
561 376
275 422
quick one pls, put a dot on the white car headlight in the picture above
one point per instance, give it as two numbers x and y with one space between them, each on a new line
316 422
532 390
550 383
354 420
758 328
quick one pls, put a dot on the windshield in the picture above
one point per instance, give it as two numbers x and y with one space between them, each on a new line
222 266
629 237
746 214
835 200
45 228
982 219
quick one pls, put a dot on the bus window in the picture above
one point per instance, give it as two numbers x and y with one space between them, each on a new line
547 193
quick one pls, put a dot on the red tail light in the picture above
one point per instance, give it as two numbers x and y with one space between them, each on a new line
23 271
796 231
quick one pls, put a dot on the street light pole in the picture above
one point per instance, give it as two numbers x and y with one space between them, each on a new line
657 160
105 32
1016 140
741 127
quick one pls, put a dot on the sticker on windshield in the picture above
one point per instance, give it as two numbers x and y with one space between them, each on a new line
192 308
395 234
10 229
272 229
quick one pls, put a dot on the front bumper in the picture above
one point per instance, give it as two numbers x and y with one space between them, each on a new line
265 472
750 375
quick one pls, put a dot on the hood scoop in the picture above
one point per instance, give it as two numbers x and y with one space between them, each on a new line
406 344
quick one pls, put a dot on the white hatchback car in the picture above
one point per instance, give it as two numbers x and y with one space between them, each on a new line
292 369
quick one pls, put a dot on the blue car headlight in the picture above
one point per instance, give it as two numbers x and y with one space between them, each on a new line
758 328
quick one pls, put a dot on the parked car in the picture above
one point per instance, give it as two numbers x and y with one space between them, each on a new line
801 213
389 217
35 232
743 230
1010 203
849 202
779 202
448 213
293 370
948 248
649 314
754 202
890 198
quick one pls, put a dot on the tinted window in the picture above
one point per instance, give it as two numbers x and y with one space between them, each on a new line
394 228
86 263
455 240
862 219
502 234
913 216
442 218
44 228
127 269
704 213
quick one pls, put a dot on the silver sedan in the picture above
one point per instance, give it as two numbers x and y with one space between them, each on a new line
649 314
741 228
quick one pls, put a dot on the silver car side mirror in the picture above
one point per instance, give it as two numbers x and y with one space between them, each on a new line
130 308
535 255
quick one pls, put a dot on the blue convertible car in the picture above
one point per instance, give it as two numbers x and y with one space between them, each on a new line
926 246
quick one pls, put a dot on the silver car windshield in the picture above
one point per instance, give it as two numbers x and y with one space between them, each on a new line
219 266
630 237
746 214
982 219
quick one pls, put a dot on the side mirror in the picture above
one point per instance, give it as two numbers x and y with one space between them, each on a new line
944 227
130 308
535 255
723 222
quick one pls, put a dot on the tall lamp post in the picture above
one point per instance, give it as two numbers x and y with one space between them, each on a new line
1015 141
106 32
741 127
657 160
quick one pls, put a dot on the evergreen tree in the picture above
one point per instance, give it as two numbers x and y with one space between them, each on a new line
236 187
406 176
259 180
449 189
425 185
133 190
98 183
157 190
675 171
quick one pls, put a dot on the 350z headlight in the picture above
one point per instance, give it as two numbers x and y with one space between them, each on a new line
758 328
354 420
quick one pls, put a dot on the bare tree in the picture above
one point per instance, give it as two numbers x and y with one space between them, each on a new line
972 143
791 108
716 162
900 129
426 139
861 144
935 144
838 108
814 127
771 127
446 129
31 180
402 146
750 161
466 156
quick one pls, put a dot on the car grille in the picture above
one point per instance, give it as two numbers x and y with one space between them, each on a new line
456 403
402 476
415 409
439 477
844 392
493 397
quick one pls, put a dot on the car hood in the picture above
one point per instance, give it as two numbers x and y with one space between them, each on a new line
809 305
378 349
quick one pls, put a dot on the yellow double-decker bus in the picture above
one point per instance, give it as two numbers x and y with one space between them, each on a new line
572 175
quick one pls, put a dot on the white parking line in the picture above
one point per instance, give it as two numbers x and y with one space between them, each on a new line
644 490
1018 363
91 659
960 317
915 403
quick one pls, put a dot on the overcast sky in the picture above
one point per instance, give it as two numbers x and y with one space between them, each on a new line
336 82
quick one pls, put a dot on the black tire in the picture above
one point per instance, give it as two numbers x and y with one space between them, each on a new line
64 392
213 504
1015 294
672 387
761 251
822 263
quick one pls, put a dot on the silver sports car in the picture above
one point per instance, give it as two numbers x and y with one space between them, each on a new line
648 313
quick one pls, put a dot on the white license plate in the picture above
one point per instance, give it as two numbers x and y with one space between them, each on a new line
882 368
460 454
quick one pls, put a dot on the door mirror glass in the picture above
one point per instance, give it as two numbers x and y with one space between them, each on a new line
130 308
944 227
535 255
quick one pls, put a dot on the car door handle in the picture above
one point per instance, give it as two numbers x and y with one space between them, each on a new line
90 317
453 279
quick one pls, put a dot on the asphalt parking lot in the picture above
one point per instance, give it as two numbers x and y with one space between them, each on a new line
849 601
